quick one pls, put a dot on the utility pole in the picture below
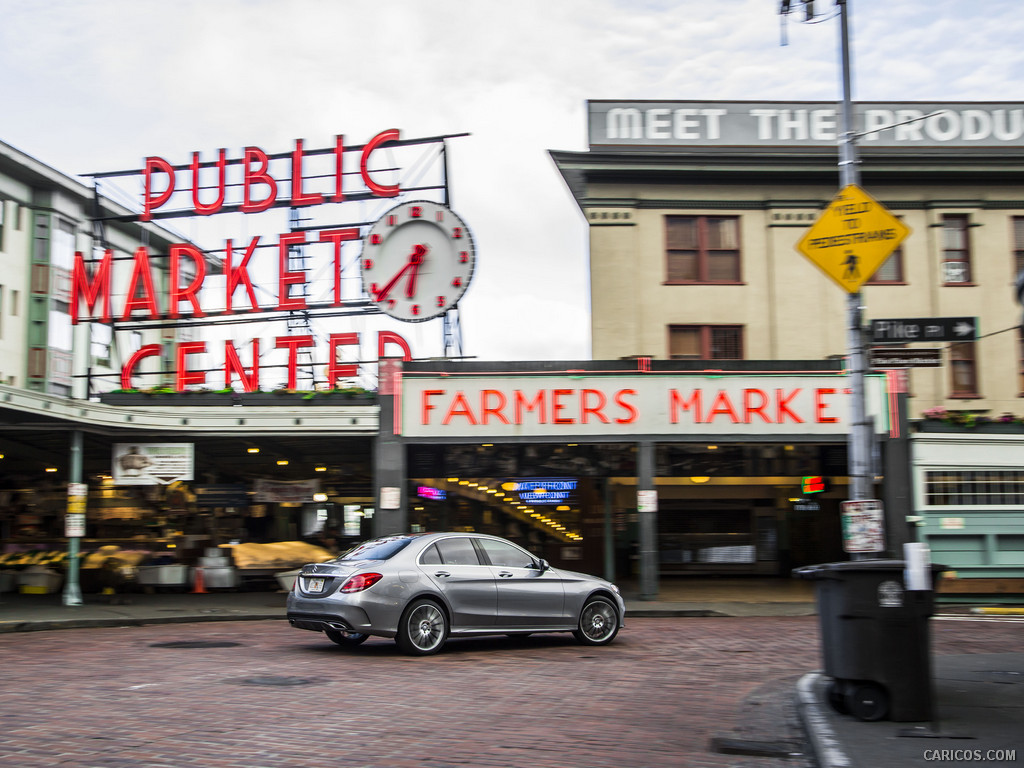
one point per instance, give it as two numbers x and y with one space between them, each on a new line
859 459
859 441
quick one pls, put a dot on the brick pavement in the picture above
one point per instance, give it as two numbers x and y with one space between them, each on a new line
108 698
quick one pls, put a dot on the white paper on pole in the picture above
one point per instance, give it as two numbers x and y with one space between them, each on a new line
919 566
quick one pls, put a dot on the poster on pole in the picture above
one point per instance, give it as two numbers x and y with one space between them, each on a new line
863 526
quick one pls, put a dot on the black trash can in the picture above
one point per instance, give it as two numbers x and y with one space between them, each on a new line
875 638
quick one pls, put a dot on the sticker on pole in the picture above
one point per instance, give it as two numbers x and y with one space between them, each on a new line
863 526
852 238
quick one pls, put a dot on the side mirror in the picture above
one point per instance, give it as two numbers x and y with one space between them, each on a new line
542 565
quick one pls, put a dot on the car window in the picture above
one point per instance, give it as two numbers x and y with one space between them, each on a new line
431 556
377 549
458 552
502 553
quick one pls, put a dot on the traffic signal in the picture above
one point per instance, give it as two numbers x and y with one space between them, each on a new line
813 484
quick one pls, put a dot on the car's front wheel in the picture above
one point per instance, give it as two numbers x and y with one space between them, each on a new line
599 622
343 638
423 628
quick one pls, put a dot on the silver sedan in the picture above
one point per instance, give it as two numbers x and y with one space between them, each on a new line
422 588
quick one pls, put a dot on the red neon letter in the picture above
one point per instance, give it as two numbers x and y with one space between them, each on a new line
460 407
176 292
129 368
286 278
149 201
676 404
487 409
820 406
336 236
596 410
783 403
427 407
233 276
537 404
299 197
335 370
629 407
140 271
557 406
232 364
390 337
380 190
205 209
257 176
292 344
339 154
749 409
723 405
100 282
186 377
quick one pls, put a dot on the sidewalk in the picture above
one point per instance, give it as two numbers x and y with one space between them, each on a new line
979 702
22 613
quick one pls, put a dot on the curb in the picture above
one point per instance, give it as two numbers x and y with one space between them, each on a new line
826 748
7 627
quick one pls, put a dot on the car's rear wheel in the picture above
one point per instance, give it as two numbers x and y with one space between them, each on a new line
599 622
344 638
423 628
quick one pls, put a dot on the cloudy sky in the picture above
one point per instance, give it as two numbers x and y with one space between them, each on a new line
95 85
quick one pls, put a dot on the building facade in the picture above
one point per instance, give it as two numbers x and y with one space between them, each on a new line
695 213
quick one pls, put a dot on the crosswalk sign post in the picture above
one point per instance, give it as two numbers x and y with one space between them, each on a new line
852 238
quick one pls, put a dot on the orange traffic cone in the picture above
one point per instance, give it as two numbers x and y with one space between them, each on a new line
197 586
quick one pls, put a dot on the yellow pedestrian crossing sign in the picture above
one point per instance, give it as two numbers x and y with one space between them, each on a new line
852 238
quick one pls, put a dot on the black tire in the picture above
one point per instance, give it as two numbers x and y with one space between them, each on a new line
345 639
835 692
867 701
423 628
599 622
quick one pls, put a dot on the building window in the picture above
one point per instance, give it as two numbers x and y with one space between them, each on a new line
955 488
891 271
3 209
702 249
1020 359
956 253
964 367
705 342
1018 244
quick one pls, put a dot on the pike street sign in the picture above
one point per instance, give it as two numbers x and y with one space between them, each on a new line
852 238
924 329
889 357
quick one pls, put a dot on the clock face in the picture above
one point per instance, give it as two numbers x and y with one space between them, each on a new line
417 261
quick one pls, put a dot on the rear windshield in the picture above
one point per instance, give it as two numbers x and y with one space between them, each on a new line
377 549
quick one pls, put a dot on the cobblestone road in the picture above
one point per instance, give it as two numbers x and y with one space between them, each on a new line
133 697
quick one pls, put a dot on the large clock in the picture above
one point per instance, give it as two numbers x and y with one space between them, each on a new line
417 261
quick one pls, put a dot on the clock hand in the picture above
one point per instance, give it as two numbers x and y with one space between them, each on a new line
415 259
383 292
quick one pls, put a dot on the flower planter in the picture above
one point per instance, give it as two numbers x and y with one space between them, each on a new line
161 399
192 399
987 427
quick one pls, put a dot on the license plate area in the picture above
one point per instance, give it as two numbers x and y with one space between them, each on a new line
314 584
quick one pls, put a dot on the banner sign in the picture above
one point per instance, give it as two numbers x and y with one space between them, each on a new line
754 405
279 491
152 463
803 124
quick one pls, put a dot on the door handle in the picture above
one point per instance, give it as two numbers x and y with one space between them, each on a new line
442 573
505 574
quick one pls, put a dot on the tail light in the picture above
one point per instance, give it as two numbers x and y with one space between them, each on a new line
361 581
